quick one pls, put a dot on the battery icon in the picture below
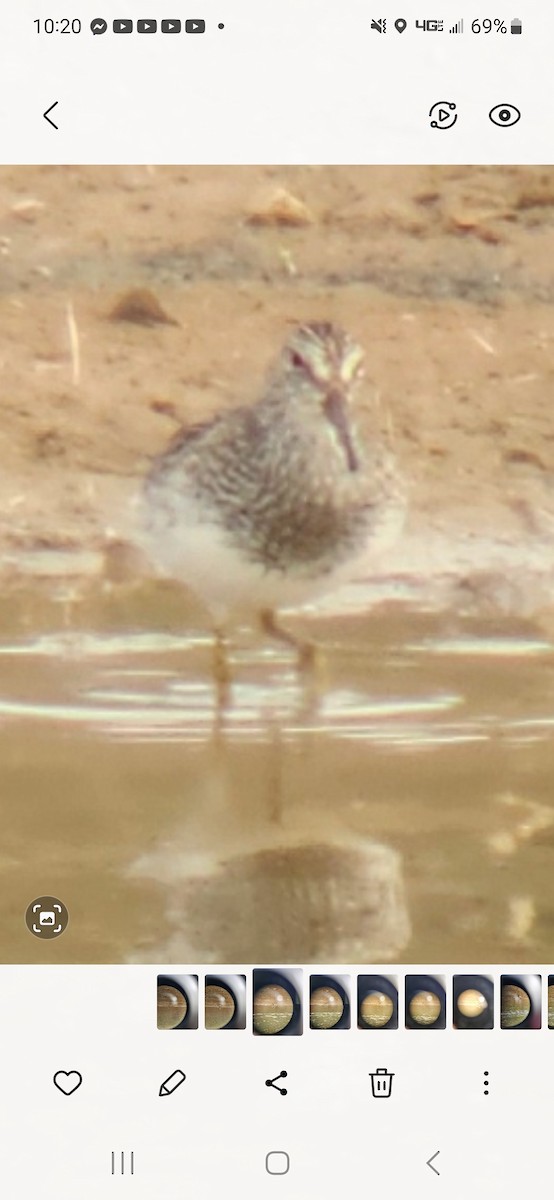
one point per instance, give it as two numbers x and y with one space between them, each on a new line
516 26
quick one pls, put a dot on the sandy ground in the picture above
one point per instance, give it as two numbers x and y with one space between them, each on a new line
443 274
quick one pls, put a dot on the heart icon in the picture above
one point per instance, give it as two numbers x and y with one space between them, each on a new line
68 1081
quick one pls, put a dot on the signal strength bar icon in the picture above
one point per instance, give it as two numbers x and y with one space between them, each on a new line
458 27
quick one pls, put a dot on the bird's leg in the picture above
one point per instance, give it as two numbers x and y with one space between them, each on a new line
308 656
306 650
222 678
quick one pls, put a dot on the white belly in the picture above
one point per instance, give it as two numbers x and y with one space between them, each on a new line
185 546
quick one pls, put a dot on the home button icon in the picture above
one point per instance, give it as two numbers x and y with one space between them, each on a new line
277 1162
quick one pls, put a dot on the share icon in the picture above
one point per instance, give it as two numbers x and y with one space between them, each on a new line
271 1082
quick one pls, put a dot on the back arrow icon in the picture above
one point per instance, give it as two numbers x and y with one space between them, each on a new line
47 118
429 1162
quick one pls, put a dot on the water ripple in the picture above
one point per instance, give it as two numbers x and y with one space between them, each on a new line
157 688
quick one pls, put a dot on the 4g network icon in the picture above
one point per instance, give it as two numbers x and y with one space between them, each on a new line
433 25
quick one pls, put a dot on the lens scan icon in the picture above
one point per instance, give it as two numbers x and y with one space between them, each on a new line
46 917
504 115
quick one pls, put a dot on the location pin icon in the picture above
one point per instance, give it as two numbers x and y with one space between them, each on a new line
400 24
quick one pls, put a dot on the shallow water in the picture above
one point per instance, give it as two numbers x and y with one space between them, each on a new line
422 770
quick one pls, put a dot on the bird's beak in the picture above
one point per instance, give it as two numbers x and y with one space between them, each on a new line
335 411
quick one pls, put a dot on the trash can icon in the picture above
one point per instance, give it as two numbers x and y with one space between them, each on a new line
381 1083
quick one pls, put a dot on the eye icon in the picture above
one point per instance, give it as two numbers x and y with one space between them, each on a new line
504 114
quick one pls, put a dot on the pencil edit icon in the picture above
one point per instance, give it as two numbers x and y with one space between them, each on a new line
172 1082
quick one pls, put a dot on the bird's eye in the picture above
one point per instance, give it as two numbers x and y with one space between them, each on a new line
296 359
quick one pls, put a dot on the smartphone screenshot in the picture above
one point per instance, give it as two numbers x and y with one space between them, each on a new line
276 600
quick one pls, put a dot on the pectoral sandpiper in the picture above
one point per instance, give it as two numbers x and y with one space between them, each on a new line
270 505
